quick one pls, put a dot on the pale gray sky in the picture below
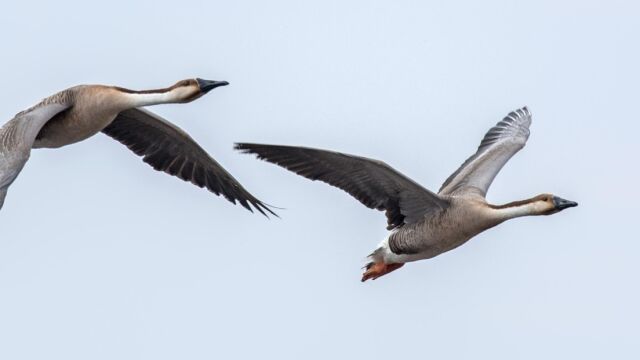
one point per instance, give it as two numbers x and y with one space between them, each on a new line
103 258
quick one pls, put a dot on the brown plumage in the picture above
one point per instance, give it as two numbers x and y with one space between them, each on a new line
88 109
423 224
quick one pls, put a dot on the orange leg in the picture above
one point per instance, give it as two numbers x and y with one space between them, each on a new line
375 270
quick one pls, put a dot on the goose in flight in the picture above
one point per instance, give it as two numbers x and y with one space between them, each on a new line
79 112
423 224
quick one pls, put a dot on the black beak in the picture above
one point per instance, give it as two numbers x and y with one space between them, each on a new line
208 85
562 204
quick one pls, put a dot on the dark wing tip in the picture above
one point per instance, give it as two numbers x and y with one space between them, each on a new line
248 148
270 153
263 208
245 199
235 193
268 207
252 147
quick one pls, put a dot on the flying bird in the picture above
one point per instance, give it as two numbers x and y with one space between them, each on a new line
79 112
423 224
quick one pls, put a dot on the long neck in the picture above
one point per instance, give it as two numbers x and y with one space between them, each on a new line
153 97
516 209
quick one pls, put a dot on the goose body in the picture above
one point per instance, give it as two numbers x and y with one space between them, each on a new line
93 107
80 112
423 224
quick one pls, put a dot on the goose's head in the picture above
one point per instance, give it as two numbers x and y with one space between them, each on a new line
547 204
191 89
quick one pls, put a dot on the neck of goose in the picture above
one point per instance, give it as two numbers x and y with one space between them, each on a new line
153 97
516 209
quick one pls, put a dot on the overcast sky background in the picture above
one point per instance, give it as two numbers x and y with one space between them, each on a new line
103 258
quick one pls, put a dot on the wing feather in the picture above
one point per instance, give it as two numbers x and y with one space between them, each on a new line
17 137
168 148
372 182
499 144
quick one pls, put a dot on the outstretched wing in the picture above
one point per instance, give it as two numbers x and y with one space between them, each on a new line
374 183
498 146
17 137
168 148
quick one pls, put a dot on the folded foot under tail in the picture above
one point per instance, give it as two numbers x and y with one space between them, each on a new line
374 270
